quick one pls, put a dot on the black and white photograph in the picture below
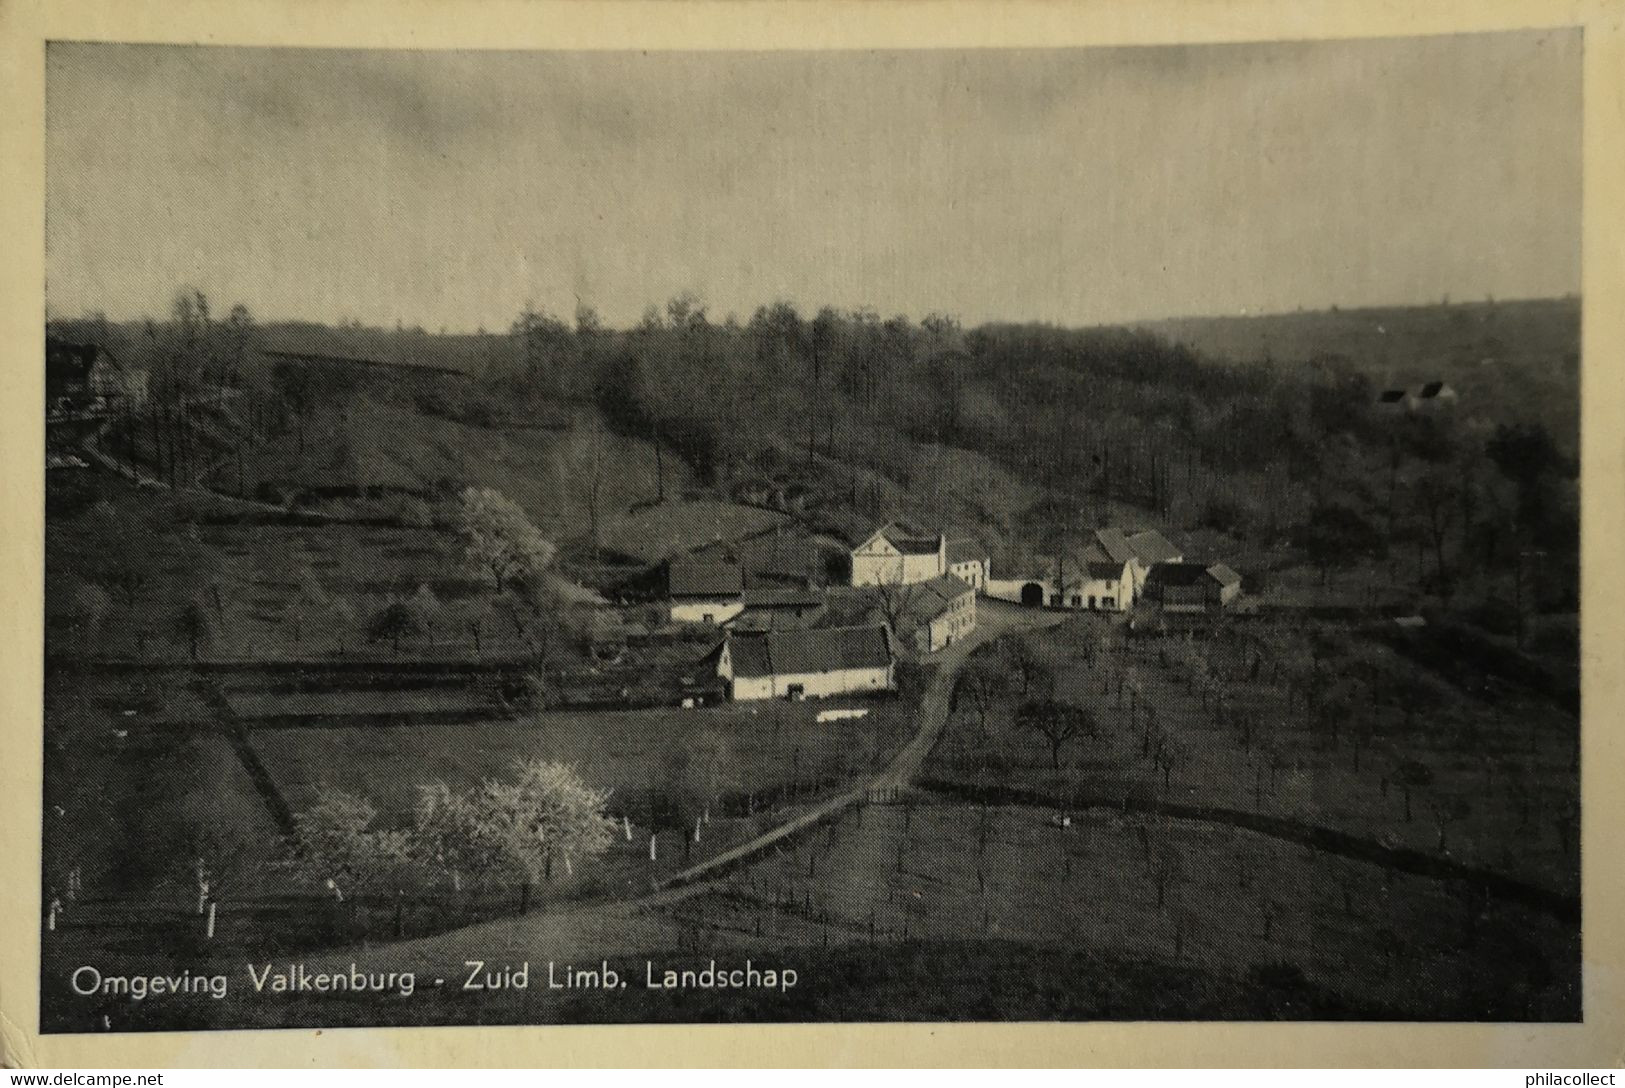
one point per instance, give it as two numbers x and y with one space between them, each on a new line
801 536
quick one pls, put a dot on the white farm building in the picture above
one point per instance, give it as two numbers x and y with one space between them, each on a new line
896 554
807 664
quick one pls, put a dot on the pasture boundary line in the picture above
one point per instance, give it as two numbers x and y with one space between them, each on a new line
1563 907
889 782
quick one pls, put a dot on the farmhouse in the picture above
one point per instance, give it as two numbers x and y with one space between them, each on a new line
87 378
1193 587
704 592
1099 584
937 613
968 561
807 664
897 554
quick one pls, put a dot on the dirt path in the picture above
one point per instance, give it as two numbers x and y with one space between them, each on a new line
547 928
933 715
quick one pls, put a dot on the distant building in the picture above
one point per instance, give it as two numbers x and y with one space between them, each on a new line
937 614
1428 397
1434 396
814 663
1193 587
968 561
704 592
897 554
87 378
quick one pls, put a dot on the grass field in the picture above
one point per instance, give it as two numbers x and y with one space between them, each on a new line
656 533
758 751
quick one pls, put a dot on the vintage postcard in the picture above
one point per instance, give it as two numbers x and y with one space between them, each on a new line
1050 531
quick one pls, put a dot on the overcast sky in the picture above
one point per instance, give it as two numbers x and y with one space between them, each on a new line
1075 186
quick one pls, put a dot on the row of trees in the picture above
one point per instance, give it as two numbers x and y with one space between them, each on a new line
503 833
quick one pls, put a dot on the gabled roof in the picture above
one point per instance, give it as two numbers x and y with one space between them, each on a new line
782 598
1152 547
758 618
1192 574
964 550
908 539
1179 574
928 600
689 578
1434 389
1107 571
827 649
1114 545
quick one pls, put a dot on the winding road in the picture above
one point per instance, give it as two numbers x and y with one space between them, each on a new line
992 620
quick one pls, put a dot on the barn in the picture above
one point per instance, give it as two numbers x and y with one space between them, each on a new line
807 664
1193 587
704 592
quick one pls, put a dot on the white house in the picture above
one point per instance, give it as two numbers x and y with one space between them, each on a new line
807 664
1098 585
896 554
701 592
968 562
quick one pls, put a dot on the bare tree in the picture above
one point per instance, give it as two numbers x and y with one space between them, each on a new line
1057 723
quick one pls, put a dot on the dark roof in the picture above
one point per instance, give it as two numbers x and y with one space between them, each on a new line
757 618
815 650
1192 574
1391 396
908 539
1106 571
782 598
67 362
1432 389
1114 545
687 578
1152 547
964 550
1179 574
341 347
928 600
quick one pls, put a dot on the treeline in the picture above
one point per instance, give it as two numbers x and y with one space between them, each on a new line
840 407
